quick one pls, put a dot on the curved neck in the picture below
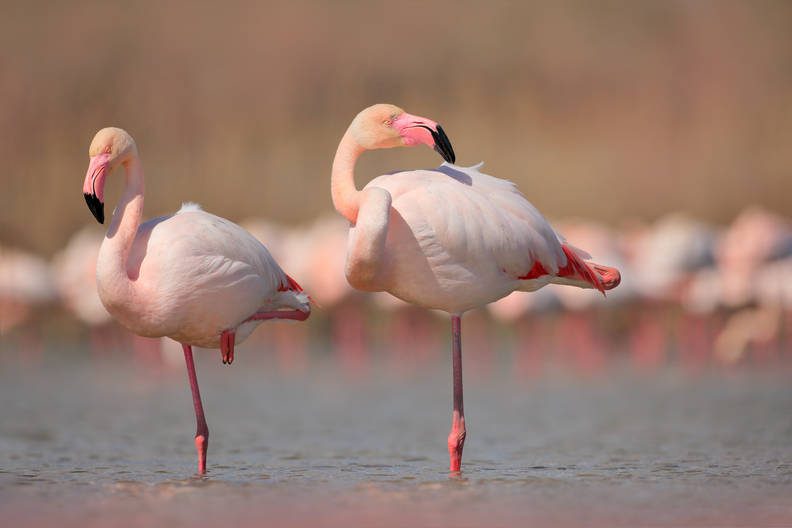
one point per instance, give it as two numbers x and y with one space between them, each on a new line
112 270
346 197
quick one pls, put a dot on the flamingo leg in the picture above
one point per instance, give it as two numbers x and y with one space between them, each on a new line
456 439
294 315
202 431
228 337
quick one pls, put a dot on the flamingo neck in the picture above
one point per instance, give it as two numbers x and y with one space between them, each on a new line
346 197
111 269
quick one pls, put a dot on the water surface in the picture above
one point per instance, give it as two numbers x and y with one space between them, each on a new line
98 441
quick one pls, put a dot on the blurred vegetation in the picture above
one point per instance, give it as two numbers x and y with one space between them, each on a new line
607 109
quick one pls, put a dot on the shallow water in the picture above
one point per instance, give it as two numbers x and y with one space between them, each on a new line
109 441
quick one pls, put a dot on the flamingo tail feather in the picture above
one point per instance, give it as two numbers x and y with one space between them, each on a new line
600 277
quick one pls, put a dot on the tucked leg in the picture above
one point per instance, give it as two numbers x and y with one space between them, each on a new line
294 315
456 440
228 337
202 431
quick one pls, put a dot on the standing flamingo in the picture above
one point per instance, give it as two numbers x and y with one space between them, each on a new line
26 285
192 276
74 268
449 239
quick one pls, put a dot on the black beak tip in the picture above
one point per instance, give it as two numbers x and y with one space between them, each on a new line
96 207
443 145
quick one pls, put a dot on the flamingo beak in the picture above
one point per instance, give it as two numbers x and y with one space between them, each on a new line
416 130
442 145
93 187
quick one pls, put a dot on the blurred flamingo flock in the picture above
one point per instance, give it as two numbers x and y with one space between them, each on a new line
617 114
692 294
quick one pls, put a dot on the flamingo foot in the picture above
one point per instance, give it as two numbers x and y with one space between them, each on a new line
456 442
202 445
227 339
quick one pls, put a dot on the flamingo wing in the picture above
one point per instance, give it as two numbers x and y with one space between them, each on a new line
461 215
200 273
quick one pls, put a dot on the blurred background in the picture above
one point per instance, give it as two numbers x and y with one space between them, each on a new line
655 135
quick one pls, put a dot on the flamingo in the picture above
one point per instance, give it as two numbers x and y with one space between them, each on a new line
192 276
448 239
74 268
667 254
26 284
755 238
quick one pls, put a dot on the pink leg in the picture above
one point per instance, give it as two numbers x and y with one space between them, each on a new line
228 337
456 440
202 431
294 315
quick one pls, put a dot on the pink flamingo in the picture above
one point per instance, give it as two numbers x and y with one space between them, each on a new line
26 286
192 276
74 268
449 239
755 238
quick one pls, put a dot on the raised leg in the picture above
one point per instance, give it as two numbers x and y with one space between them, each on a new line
228 337
294 315
202 431
456 440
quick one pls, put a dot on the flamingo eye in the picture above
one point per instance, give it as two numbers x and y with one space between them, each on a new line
387 122
107 149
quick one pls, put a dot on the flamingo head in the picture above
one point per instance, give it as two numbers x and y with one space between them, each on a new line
110 147
386 126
